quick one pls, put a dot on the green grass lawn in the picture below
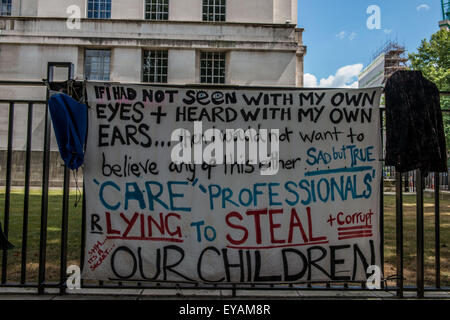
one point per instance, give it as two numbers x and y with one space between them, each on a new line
74 236
53 233
409 233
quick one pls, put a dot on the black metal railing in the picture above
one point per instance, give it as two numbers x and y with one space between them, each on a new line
20 278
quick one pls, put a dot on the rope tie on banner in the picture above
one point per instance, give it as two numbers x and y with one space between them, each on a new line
391 278
45 81
71 91
84 96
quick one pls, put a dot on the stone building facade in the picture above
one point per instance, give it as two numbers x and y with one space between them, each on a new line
230 42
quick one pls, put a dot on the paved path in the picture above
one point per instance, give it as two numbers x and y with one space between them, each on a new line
186 294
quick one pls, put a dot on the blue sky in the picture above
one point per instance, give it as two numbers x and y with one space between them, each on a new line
340 44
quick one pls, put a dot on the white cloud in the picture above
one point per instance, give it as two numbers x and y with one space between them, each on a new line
345 77
424 7
310 80
341 35
352 36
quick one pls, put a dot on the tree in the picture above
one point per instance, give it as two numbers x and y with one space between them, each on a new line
433 59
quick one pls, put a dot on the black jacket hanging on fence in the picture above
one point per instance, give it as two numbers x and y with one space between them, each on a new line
414 129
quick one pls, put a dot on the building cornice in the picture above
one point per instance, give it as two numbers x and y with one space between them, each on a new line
140 33
153 43
214 23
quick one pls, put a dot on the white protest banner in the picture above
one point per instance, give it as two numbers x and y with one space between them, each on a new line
308 212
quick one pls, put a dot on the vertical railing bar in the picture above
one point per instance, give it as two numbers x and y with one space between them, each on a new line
44 205
415 182
8 188
382 229
65 213
399 231
45 190
420 234
64 231
406 181
26 200
382 200
437 227
83 230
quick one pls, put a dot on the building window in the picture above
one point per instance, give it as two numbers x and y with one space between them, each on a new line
5 7
97 64
155 66
212 67
214 10
157 9
99 9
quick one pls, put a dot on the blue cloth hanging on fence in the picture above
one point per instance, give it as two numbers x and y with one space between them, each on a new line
69 119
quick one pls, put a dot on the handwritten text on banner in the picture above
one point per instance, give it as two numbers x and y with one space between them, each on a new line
150 219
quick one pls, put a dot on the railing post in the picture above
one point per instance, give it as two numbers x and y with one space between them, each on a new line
65 208
420 234
382 202
399 231
44 200
64 231
83 231
406 175
26 200
8 189
45 188
437 240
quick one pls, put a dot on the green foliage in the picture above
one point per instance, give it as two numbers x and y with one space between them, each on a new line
433 59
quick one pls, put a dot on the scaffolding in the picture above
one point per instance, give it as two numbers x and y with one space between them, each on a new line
394 58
